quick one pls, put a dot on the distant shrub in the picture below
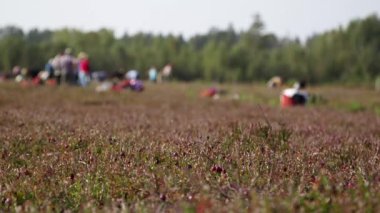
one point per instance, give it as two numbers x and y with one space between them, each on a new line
356 107
377 83
377 110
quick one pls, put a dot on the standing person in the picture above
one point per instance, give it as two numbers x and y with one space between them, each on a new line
166 72
67 65
84 69
152 74
56 63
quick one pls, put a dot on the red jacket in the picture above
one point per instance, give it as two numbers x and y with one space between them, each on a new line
84 66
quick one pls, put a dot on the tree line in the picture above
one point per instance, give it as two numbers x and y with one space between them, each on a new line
345 54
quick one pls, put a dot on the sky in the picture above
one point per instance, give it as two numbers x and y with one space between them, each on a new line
290 18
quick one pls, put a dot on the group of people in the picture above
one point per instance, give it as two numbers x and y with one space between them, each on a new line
294 96
66 69
132 80
164 74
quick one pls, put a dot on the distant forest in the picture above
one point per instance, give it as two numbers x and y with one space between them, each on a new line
345 54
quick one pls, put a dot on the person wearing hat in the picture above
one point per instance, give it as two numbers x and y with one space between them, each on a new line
84 69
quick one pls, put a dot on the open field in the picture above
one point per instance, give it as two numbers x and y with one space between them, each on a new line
166 149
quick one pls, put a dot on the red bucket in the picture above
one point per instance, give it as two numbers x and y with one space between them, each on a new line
286 101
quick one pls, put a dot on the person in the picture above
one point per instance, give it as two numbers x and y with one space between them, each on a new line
99 76
56 63
16 71
68 74
23 77
152 74
167 70
296 96
132 75
49 67
209 92
275 82
136 85
133 84
165 73
84 69
119 86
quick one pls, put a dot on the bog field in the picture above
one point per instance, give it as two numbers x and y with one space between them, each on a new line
168 150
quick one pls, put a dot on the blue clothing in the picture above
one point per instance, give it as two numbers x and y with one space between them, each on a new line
153 74
49 68
84 79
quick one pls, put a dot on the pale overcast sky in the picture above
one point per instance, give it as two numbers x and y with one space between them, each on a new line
291 18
